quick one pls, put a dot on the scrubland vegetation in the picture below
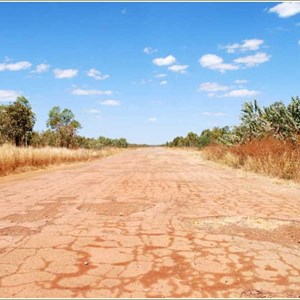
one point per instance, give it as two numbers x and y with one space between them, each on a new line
267 156
266 141
18 159
22 148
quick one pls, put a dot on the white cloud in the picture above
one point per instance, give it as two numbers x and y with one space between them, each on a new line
152 120
241 93
178 68
214 62
67 73
164 82
94 73
83 92
160 75
212 87
216 114
286 9
247 45
253 60
149 50
142 82
92 111
164 61
8 95
240 81
111 102
18 66
41 68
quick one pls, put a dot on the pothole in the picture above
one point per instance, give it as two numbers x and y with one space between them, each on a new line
285 232
49 210
242 221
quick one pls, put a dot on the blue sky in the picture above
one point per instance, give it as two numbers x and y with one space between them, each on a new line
149 71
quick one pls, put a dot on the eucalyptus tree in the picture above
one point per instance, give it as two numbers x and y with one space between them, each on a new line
64 124
16 122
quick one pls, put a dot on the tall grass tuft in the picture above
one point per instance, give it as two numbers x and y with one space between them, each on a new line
14 159
267 156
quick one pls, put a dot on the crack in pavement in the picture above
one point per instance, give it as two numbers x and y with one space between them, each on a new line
150 222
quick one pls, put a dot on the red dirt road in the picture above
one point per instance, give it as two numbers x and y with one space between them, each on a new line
149 223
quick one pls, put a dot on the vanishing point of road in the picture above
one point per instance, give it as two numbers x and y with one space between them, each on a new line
150 222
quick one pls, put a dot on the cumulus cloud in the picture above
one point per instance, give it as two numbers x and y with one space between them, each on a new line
142 82
247 45
241 81
164 61
211 94
160 75
164 82
215 114
152 119
214 62
83 92
253 60
41 68
67 73
110 102
212 87
241 93
92 111
286 9
18 66
150 50
178 68
94 73
8 95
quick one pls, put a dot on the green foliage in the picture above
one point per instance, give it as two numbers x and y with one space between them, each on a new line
207 136
101 142
45 138
16 122
16 126
277 120
64 124
122 143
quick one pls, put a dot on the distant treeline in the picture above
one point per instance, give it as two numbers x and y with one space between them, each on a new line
278 121
17 121
206 137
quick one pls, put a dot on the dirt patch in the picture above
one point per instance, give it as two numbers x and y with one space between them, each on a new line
49 211
114 208
17 231
284 232
255 294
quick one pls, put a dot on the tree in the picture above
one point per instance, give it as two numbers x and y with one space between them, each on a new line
64 124
191 139
17 121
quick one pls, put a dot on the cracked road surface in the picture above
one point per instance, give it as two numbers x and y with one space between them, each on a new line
150 222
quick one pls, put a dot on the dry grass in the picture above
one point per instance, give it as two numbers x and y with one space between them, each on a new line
14 159
268 156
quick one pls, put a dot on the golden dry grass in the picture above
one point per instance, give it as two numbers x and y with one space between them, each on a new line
14 159
268 156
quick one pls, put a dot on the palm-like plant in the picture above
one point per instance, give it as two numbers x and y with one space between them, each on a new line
278 120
